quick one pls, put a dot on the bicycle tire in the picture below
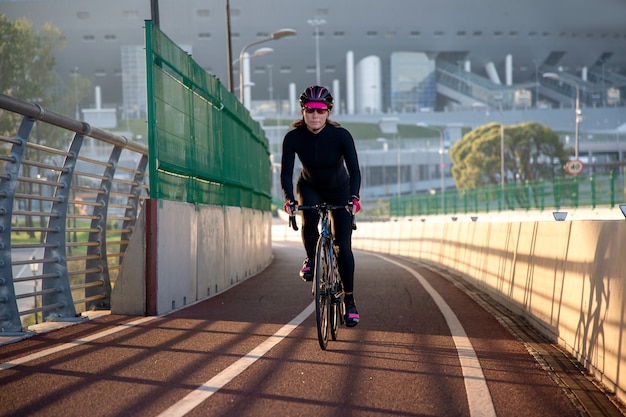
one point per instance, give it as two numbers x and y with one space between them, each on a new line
322 295
336 305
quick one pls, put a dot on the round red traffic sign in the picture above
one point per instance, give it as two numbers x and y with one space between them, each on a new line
574 167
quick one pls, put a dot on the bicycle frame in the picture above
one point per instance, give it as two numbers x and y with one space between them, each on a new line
327 285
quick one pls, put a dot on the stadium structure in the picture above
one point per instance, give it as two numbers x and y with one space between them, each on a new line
406 61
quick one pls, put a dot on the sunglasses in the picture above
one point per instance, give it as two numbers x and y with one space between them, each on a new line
318 111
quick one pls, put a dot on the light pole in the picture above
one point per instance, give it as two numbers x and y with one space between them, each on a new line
389 125
385 143
258 52
274 36
554 76
270 85
75 76
441 164
536 83
246 69
317 22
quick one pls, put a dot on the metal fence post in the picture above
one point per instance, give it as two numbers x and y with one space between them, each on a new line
9 314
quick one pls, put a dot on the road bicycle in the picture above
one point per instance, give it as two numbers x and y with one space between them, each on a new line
327 287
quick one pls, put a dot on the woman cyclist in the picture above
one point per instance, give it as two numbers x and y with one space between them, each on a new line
330 174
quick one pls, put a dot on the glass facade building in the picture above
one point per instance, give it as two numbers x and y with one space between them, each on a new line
134 90
413 82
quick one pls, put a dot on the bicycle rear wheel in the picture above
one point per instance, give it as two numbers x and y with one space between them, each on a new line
323 271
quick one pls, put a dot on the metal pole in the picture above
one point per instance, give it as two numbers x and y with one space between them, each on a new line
577 122
317 23
501 147
229 50
154 9
275 36
441 168
502 155
317 54
536 83
246 80
243 51
77 109
398 170
270 88
554 76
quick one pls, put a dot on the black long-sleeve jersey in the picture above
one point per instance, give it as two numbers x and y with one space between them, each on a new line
322 156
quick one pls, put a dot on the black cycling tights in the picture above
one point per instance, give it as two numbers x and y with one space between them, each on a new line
342 231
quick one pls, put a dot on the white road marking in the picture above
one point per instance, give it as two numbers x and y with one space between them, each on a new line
74 343
204 391
478 396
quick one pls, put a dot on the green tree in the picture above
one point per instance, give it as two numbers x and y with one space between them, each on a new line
29 70
27 64
531 152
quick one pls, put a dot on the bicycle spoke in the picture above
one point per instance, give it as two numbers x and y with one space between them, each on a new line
322 286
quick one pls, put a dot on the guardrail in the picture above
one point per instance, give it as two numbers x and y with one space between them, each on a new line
67 209
582 191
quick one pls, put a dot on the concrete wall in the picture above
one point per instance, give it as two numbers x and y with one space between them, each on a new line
567 278
188 253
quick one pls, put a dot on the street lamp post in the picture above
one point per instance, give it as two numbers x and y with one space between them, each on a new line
536 83
501 144
385 143
274 36
441 163
389 125
554 76
317 23
74 75
258 52
246 71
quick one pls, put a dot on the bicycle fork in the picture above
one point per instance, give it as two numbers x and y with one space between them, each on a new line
336 289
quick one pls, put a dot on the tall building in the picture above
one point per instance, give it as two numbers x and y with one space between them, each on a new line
480 49
413 82
134 90
368 88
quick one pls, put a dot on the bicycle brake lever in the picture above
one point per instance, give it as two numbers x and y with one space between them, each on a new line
292 223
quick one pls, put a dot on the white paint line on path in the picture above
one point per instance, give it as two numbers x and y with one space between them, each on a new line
74 343
478 396
204 391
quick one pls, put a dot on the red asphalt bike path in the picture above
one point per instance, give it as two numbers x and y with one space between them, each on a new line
401 360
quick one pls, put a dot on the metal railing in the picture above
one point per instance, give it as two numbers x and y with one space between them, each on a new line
583 191
68 205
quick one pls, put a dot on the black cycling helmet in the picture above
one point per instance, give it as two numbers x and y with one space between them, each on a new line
317 94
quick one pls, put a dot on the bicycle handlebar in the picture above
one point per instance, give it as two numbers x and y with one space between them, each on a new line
320 208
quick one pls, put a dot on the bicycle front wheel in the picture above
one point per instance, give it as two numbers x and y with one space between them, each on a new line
323 271
336 301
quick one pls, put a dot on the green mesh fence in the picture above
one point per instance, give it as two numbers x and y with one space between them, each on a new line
591 191
204 146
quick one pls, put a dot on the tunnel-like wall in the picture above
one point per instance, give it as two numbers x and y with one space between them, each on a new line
566 278
182 253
